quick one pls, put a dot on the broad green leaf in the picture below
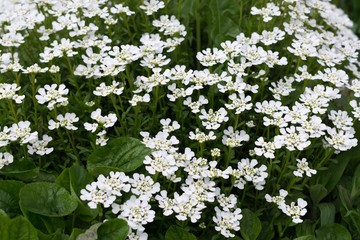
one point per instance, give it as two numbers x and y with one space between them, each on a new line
344 197
327 213
90 234
333 232
177 233
74 179
353 218
308 237
114 229
23 169
267 231
336 169
123 154
9 196
317 192
305 228
75 233
355 191
47 199
45 225
250 225
58 235
18 229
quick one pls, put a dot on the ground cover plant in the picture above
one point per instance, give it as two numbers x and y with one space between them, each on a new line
178 119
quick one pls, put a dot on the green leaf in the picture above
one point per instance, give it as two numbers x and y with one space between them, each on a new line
74 179
9 196
114 229
355 191
336 169
177 233
317 192
327 213
47 199
345 197
75 233
333 232
18 229
23 169
305 228
58 235
122 154
267 231
250 225
90 234
308 237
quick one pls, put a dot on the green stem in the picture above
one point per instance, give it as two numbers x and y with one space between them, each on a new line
284 166
12 109
326 157
71 140
198 30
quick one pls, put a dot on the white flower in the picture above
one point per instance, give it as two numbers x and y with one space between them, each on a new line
239 102
137 212
213 119
234 139
160 141
40 146
201 136
115 183
65 121
54 95
22 130
160 161
165 203
267 149
215 152
227 220
336 76
341 140
167 127
143 186
106 121
9 91
303 167
356 108
95 195
104 90
137 98
152 6
227 203
170 26
269 107
278 200
138 235
101 139
5 159
294 138
185 206
295 211
195 106
341 119
314 127
267 12
207 58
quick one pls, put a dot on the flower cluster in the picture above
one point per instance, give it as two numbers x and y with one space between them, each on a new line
265 96
294 211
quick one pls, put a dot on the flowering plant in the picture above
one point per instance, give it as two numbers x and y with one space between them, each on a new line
177 119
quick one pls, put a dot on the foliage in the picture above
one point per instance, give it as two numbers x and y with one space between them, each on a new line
179 119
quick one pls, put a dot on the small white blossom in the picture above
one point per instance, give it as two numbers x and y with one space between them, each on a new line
303 167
